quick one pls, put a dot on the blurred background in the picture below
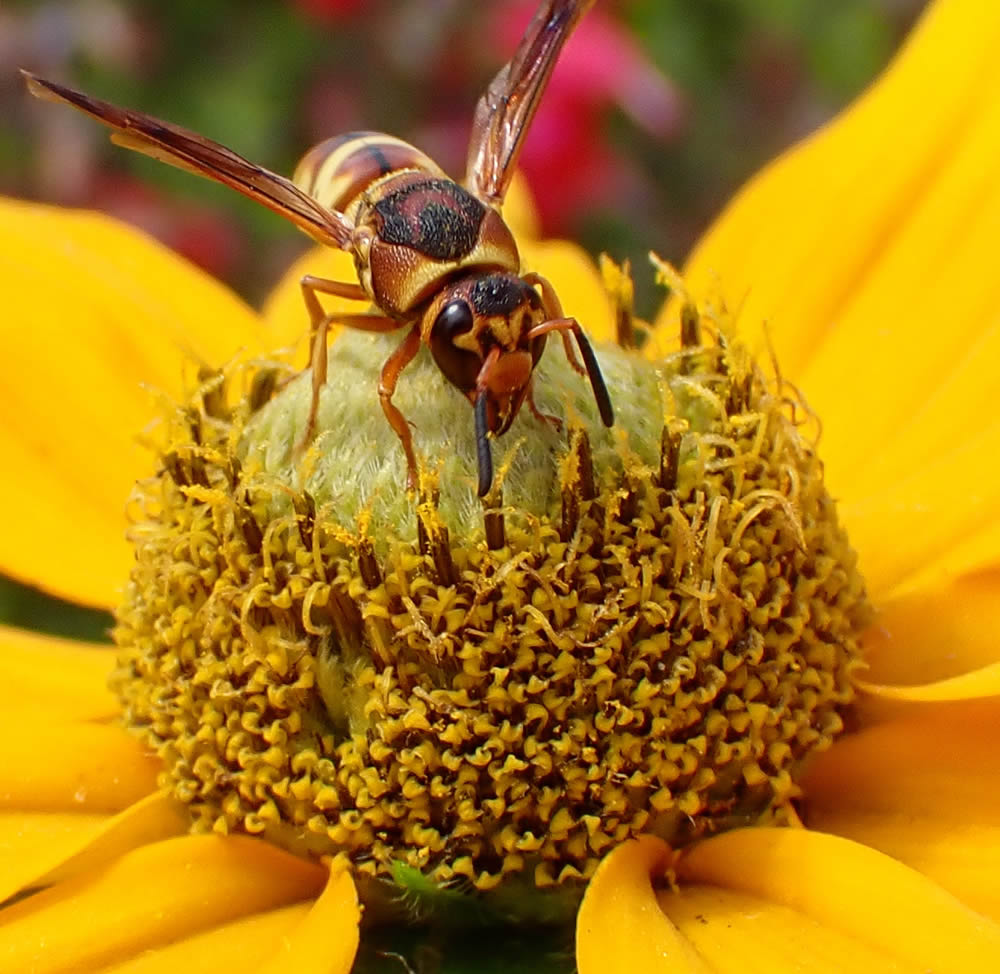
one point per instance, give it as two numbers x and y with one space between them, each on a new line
657 111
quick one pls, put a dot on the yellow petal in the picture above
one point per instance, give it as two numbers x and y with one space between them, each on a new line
791 247
234 946
936 761
852 889
620 926
962 857
93 310
40 848
977 552
625 924
150 897
744 934
870 258
326 939
31 843
58 676
918 335
924 788
915 525
286 320
984 682
66 766
936 631
155 817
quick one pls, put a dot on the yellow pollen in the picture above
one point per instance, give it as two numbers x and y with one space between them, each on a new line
651 631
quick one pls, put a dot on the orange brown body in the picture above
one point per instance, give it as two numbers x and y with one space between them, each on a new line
432 255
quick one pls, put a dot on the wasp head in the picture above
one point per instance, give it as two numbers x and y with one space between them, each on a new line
480 336
479 332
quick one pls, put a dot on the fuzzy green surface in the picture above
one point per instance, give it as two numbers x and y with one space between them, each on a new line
358 461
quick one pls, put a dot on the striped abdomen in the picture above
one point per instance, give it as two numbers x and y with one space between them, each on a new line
336 172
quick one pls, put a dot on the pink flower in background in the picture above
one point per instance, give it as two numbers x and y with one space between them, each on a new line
329 9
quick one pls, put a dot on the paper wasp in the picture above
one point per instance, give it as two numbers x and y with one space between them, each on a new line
432 255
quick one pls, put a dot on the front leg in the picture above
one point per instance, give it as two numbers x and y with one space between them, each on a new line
391 371
554 421
554 311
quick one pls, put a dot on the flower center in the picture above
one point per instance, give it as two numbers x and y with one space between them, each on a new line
650 633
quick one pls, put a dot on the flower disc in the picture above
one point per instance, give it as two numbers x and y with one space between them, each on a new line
650 632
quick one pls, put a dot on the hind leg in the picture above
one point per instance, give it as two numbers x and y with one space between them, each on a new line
319 327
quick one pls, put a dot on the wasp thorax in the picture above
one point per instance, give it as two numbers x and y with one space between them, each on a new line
652 635
425 230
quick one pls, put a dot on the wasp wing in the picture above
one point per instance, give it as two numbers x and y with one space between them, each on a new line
506 109
188 150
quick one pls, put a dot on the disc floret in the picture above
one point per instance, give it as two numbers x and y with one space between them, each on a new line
648 629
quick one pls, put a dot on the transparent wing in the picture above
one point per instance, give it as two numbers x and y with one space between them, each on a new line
188 150
506 109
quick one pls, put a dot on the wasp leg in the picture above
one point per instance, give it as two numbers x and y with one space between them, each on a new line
363 321
554 421
394 365
553 308
319 325
564 326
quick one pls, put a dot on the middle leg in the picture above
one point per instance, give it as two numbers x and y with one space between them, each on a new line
554 421
554 311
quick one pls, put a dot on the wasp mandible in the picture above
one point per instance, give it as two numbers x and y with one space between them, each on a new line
432 255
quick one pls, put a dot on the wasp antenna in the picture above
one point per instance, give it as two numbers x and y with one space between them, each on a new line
483 454
596 378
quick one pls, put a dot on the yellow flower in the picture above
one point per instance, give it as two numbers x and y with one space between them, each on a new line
865 253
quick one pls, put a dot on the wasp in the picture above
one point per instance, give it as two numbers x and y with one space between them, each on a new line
433 256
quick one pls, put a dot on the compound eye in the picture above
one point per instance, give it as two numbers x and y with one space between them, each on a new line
459 365
454 319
